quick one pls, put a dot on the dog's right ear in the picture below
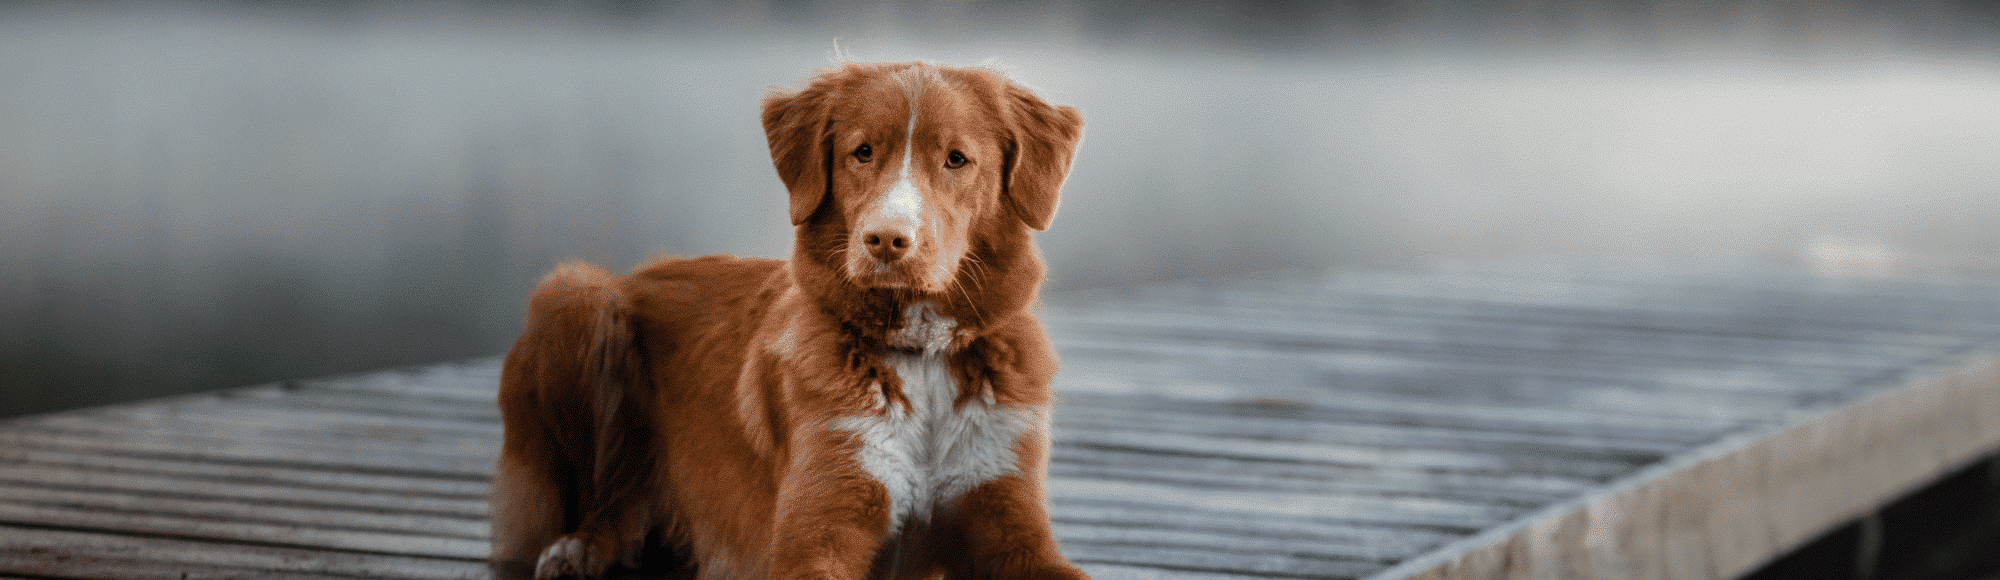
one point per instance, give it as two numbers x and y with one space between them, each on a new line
795 123
1044 140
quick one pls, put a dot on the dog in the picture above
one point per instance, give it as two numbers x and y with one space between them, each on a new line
877 406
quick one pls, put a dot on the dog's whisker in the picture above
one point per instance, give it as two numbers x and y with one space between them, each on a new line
976 272
974 304
835 245
835 249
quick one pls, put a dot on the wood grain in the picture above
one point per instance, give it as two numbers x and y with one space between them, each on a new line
1516 419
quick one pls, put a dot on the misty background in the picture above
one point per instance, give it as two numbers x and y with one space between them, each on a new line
202 195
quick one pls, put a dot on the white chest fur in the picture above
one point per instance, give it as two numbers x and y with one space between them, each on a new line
929 454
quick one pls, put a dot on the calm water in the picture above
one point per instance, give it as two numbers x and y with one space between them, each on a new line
209 196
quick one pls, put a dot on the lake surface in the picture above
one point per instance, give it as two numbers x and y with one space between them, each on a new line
207 195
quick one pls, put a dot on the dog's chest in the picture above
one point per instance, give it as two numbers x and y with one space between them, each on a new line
931 452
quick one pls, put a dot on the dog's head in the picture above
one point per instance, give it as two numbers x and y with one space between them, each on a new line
918 179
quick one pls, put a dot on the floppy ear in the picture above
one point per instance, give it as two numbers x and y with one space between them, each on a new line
795 123
1044 139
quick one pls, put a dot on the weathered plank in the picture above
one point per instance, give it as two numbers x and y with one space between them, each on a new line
1496 419
214 471
91 553
1722 510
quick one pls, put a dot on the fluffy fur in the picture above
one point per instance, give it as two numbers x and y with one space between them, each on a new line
875 407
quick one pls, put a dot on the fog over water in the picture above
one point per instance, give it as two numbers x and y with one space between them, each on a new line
209 195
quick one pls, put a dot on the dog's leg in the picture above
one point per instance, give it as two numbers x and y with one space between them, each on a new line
534 484
831 518
526 511
1003 526
569 492
1000 529
616 503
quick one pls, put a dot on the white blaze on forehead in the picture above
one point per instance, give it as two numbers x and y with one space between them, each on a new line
903 199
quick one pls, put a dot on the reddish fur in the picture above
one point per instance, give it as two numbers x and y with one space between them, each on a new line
687 410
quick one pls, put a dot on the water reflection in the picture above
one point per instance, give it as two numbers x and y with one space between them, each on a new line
206 195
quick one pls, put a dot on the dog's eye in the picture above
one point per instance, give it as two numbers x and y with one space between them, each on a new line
955 160
864 153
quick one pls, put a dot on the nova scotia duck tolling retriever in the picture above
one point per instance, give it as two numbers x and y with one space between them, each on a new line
877 406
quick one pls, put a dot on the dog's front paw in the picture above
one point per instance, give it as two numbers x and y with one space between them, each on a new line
571 556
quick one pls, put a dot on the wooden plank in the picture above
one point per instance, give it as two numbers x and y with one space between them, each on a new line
1433 341
1514 490
1321 403
1277 421
478 412
163 518
1654 411
265 494
1230 541
277 416
249 456
467 458
1540 295
1372 509
1107 524
70 553
1722 510
200 470
1289 327
1572 353
1214 560
1109 570
46 504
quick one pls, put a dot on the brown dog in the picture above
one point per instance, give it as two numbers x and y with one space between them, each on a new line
878 406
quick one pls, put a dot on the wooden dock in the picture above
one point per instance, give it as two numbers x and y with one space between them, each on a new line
1542 418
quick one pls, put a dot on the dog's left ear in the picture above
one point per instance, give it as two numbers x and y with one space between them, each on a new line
795 123
1044 139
